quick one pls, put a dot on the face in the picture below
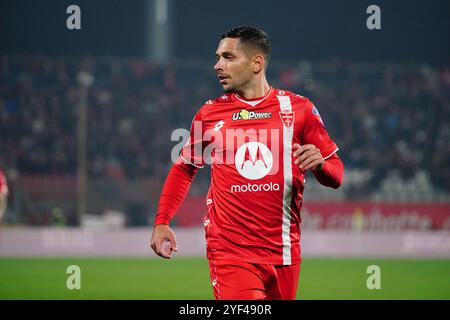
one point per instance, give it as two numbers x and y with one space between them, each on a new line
234 66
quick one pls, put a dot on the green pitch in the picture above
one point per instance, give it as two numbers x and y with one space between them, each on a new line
183 278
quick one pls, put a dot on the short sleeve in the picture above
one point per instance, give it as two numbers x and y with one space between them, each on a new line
192 151
314 132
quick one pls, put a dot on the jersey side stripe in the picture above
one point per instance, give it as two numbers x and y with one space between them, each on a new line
288 132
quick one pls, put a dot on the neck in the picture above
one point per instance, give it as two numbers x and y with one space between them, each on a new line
255 90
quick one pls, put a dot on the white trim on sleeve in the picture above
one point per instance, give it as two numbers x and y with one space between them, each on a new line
190 162
325 158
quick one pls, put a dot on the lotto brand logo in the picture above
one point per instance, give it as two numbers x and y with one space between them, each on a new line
253 160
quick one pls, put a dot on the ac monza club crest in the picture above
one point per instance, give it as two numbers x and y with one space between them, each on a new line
253 160
287 117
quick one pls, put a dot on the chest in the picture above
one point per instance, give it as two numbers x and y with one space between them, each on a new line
258 122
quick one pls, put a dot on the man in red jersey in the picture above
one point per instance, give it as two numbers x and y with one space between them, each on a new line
260 142
3 194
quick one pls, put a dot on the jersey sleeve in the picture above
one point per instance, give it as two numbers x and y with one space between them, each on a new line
3 184
192 151
175 190
314 132
332 173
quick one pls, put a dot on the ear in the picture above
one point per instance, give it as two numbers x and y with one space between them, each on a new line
258 63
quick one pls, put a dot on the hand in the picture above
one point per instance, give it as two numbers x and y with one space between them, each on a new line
308 157
163 241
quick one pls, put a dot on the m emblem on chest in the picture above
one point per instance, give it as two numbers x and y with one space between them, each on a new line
287 117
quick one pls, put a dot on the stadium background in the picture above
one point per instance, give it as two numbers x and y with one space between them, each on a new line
85 161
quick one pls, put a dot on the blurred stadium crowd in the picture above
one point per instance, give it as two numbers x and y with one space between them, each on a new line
389 120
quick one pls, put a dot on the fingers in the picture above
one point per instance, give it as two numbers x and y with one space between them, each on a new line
173 242
168 245
166 249
157 245
304 156
163 248
308 156
301 149
163 242
305 152
153 242
312 162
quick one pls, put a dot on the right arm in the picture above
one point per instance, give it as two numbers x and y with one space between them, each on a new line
3 205
175 190
3 195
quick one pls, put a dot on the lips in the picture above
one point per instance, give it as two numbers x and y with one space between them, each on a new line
222 78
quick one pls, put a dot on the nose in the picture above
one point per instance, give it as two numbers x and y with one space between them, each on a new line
218 66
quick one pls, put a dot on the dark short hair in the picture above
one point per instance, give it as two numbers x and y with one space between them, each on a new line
252 37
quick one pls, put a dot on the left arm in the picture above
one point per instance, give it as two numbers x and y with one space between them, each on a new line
332 172
317 151
328 172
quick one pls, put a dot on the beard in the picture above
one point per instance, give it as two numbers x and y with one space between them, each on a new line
229 90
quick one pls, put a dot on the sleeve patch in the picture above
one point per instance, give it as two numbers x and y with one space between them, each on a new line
315 111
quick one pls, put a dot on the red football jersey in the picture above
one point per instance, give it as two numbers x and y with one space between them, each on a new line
3 184
255 196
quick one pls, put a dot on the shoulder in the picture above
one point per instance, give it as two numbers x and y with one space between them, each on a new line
223 99
303 106
298 101
211 104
